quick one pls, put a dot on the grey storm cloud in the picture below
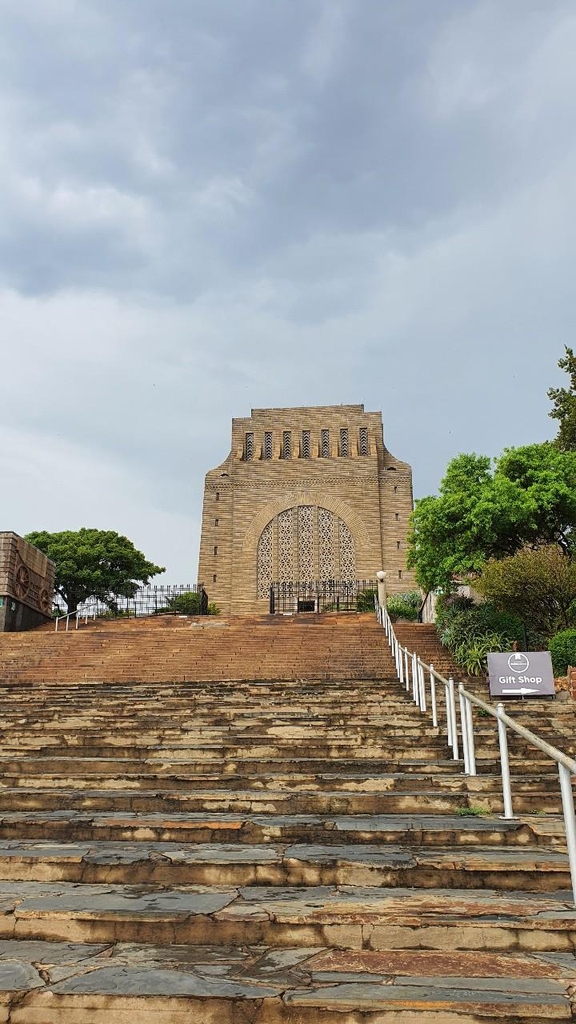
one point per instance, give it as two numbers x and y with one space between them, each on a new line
209 206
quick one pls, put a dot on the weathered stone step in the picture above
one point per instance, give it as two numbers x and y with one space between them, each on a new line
349 917
178 780
67 983
314 749
353 698
274 801
46 765
417 830
300 864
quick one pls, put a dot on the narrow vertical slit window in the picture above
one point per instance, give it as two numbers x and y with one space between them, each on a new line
344 442
217 496
268 444
325 444
363 441
249 447
214 578
287 444
215 549
305 450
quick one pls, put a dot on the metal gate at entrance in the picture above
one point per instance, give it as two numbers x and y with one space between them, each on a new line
321 596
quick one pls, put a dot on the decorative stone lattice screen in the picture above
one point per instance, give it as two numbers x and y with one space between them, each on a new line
305 543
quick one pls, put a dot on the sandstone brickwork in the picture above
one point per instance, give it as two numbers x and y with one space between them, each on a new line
26 584
305 494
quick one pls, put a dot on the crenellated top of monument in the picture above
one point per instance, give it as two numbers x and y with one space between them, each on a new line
310 432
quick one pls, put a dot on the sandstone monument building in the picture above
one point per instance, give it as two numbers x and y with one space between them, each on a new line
26 584
306 494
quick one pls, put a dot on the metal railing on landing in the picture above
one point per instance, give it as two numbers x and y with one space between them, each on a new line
87 612
150 600
414 673
292 597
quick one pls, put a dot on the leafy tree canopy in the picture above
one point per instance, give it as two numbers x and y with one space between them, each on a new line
528 497
94 563
564 404
539 585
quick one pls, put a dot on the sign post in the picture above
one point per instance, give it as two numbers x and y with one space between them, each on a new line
521 674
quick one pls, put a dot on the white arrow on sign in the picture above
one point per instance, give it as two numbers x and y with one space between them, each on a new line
523 689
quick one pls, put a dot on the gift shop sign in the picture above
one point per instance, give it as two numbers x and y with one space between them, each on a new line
521 674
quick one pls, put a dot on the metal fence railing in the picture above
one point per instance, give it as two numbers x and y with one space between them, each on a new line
423 682
146 601
320 596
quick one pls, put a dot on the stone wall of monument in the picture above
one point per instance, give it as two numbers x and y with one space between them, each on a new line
305 493
26 584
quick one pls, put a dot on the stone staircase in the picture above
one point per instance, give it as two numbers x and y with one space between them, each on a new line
267 850
167 648
422 637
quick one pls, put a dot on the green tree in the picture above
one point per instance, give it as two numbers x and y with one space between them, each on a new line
94 563
538 585
528 497
564 404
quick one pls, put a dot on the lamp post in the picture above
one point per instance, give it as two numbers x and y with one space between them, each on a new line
381 577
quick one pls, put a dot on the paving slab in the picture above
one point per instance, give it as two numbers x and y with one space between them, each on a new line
332 980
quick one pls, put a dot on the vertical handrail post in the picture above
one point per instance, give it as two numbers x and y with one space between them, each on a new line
399 662
452 701
448 715
504 764
433 697
422 679
415 696
464 729
569 821
466 740
406 670
471 743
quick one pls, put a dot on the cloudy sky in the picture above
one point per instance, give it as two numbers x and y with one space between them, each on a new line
214 205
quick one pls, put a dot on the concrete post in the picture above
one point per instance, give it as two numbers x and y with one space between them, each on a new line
381 577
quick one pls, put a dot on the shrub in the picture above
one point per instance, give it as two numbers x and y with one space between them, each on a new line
365 601
460 621
472 655
188 603
404 606
449 606
213 608
538 585
563 651
472 631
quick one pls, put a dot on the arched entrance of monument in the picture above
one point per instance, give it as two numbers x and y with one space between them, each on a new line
305 555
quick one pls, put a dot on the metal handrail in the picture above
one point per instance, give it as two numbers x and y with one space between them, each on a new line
412 671
90 611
